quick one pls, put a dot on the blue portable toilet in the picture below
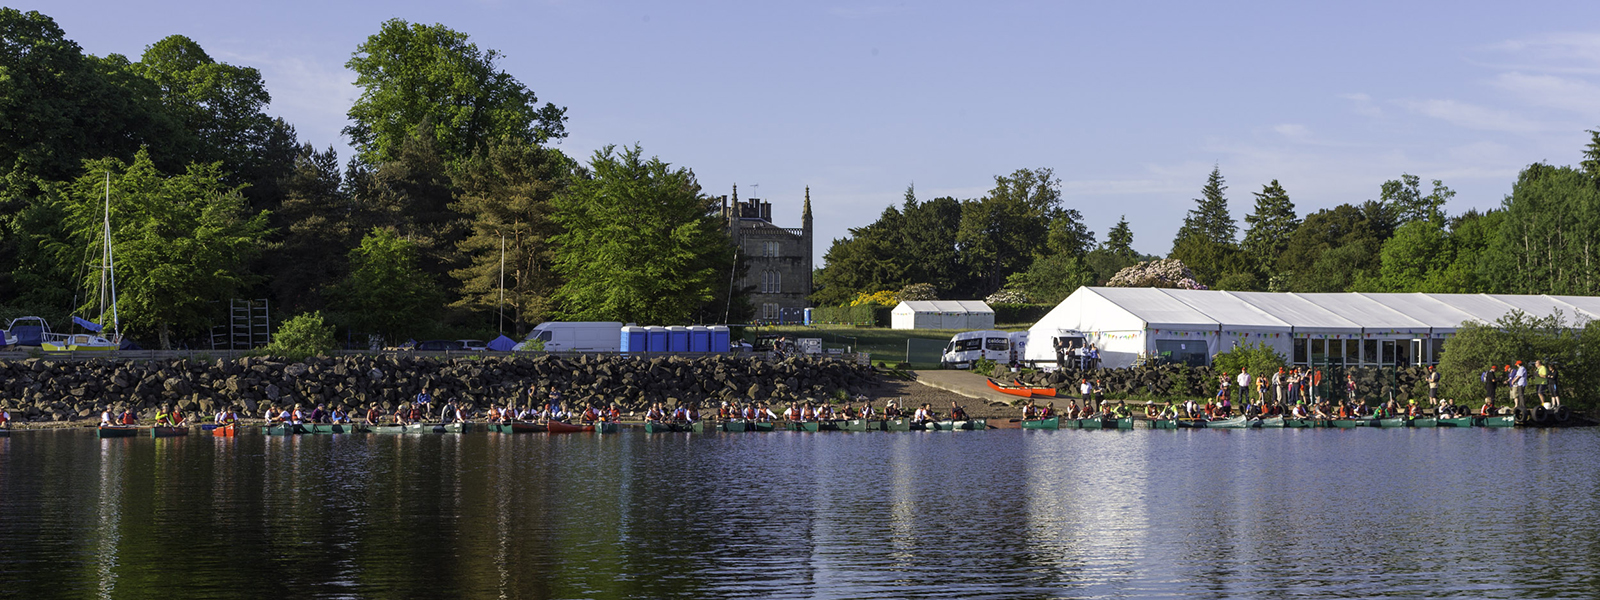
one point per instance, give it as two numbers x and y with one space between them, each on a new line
808 317
719 338
658 338
635 339
699 338
678 338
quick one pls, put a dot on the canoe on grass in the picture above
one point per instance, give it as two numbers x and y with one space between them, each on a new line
559 427
1495 421
229 430
1037 391
169 431
1455 422
1050 423
897 425
1014 391
117 431
1424 422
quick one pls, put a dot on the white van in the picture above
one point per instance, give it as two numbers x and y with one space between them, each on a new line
576 336
969 346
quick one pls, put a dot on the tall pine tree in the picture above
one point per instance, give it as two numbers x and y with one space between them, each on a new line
1270 226
1210 219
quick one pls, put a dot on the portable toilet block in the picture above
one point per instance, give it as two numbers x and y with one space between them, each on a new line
635 339
808 317
719 339
699 338
658 338
678 338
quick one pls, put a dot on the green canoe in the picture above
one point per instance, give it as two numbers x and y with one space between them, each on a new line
1163 424
1272 422
334 428
655 427
1349 423
811 426
734 426
759 426
1193 423
1070 424
854 425
1233 423
1496 421
983 424
1050 423
897 425
607 427
1297 423
1091 424
1456 422
284 429
1424 422
1388 423
118 431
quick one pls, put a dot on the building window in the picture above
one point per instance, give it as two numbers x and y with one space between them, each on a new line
771 282
769 312
770 249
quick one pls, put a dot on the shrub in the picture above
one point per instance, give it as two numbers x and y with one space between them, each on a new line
918 291
1166 273
302 336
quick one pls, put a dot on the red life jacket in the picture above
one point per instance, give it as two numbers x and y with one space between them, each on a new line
127 417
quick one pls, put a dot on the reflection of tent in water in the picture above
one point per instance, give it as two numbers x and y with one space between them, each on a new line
502 344
1353 329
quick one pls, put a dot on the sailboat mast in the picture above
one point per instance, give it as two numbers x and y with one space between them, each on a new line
108 276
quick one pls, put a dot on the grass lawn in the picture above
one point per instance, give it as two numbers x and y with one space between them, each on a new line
883 344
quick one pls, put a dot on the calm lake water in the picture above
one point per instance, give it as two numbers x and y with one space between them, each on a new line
1480 513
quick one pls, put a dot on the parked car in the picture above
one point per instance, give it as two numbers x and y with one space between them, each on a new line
437 345
473 345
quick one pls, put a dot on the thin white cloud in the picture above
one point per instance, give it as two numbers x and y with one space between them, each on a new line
1569 52
1575 95
861 12
1363 105
1472 116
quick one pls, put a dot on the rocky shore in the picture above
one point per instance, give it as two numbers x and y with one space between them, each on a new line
46 391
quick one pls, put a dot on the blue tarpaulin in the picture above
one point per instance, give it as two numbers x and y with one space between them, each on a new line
89 325
502 344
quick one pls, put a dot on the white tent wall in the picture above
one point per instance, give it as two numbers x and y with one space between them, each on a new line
942 314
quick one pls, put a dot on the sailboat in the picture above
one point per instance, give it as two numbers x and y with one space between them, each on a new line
97 340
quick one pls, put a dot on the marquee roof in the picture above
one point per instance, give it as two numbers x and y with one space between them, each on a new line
1329 313
943 306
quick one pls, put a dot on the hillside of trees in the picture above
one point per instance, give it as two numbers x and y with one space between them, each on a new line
212 199
1022 243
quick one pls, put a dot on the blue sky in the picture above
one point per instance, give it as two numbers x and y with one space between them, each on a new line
1131 104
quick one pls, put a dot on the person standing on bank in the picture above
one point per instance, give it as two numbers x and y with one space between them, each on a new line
1433 386
1519 386
1488 376
1550 387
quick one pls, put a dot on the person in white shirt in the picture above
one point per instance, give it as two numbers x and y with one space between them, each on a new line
107 419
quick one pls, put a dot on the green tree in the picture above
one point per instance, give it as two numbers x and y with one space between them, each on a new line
506 195
1210 219
1336 247
316 226
926 247
866 261
386 292
418 79
1003 232
1549 241
1119 241
62 107
1115 254
1405 195
181 242
1051 279
1419 253
1270 226
640 243
1591 155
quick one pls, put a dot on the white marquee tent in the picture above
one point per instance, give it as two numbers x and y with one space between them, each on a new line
1348 328
942 314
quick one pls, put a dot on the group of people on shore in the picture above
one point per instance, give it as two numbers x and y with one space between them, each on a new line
1073 410
762 412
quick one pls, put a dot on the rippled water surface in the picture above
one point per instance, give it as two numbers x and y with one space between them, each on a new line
998 514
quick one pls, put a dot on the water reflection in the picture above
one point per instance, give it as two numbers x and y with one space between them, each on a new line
1012 514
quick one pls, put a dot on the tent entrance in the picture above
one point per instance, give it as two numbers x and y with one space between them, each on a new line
1192 353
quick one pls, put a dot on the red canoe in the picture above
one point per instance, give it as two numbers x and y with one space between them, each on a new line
1010 390
1037 391
559 427
229 430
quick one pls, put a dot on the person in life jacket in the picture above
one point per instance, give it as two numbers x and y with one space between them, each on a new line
693 414
614 414
374 414
867 412
5 419
162 418
957 413
590 413
107 419
655 414
922 415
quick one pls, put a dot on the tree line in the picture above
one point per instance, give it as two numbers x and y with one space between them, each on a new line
456 216
1020 243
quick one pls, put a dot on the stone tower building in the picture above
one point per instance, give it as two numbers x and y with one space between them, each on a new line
778 258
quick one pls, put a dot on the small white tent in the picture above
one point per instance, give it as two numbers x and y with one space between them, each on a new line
942 314
1339 328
